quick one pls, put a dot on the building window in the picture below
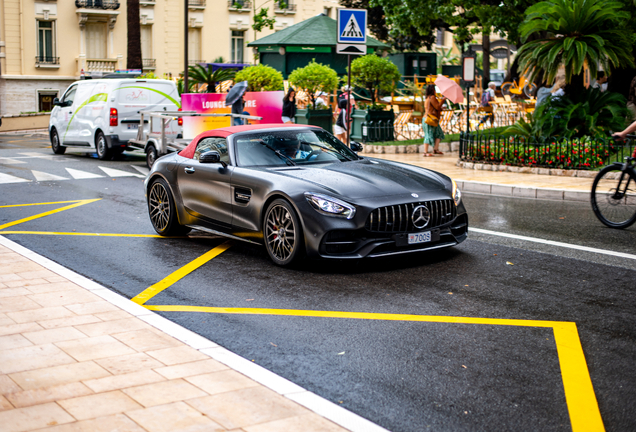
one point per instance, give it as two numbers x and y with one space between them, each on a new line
194 45
439 40
45 100
146 41
238 42
46 42
96 36
327 11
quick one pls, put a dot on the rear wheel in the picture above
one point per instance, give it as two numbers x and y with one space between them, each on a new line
505 88
530 90
162 210
283 233
614 197
103 152
55 143
151 155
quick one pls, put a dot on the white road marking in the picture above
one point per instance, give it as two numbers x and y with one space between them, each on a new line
6 178
142 170
42 176
112 172
77 174
10 161
554 243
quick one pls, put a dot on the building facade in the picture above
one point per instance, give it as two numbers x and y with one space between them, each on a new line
47 44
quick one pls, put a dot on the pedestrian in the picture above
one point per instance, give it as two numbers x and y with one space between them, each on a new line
631 101
320 100
433 132
340 129
601 81
289 106
486 98
237 108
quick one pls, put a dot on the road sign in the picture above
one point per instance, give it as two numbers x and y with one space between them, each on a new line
351 49
352 26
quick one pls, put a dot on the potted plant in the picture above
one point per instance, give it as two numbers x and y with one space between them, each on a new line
315 78
376 74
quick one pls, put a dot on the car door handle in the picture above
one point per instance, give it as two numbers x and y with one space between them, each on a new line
189 170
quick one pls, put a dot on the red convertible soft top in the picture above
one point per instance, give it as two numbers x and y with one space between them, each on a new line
188 152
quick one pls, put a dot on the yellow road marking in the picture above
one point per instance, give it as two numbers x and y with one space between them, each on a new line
577 384
38 204
78 203
155 289
86 234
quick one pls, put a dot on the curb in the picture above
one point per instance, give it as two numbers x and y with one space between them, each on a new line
523 191
526 170
278 384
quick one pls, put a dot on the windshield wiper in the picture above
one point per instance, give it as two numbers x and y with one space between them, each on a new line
327 149
287 160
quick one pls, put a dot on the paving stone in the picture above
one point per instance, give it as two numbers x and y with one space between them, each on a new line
48 394
94 348
32 357
35 417
173 417
49 377
164 392
98 405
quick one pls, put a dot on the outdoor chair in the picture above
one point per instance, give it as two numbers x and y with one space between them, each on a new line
400 125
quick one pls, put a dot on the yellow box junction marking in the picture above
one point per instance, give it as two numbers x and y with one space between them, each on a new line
77 203
155 289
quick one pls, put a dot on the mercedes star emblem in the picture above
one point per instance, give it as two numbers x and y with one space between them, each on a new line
420 216
414 195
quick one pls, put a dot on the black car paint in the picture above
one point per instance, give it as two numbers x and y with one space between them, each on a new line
366 183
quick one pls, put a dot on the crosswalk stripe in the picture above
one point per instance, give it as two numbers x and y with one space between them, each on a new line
112 172
10 161
78 175
141 169
6 178
42 176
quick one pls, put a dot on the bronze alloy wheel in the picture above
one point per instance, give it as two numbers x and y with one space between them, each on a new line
159 207
282 233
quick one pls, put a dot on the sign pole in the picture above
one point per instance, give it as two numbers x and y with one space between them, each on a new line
348 124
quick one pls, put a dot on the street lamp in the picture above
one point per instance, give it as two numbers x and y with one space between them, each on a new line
468 77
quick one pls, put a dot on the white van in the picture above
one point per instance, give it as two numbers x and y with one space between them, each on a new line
103 114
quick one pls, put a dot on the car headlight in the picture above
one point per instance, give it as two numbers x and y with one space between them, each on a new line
330 206
456 193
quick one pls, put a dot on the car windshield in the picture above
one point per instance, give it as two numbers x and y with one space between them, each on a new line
290 147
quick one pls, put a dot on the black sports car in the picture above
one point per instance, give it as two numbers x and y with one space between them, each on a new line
299 190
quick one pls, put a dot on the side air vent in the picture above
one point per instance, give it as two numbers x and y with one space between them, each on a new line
242 195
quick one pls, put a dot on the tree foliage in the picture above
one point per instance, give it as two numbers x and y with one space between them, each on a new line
260 78
375 74
313 78
200 75
575 33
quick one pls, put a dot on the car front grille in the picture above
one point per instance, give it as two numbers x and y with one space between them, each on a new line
397 218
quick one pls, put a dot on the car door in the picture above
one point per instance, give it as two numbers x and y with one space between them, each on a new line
205 188
65 114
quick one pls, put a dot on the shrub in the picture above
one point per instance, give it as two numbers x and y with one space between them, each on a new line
260 78
375 74
313 78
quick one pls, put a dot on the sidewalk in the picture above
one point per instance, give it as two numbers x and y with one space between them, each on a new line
74 356
500 183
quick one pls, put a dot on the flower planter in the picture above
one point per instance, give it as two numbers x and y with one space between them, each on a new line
319 117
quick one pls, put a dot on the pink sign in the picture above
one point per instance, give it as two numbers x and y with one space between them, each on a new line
268 105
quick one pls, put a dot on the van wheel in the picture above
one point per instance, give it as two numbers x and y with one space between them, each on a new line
151 156
103 152
55 143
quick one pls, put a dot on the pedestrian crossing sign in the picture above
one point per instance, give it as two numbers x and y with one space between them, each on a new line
352 26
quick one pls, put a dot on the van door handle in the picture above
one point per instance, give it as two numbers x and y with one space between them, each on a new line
189 170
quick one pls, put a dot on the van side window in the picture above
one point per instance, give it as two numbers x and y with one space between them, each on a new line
216 144
69 96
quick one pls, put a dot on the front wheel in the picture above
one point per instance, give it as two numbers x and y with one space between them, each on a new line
151 156
282 233
530 90
162 210
614 197
103 152
505 88
57 147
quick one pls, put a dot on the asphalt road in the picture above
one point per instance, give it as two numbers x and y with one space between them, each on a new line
401 374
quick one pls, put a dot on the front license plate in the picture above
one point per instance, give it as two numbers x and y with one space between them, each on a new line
422 237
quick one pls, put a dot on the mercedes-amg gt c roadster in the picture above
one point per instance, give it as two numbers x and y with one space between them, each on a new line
301 192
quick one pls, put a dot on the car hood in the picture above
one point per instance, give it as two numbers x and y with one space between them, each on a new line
366 178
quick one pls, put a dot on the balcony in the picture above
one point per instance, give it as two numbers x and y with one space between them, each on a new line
149 64
239 5
44 61
284 8
97 4
101 65
195 62
196 4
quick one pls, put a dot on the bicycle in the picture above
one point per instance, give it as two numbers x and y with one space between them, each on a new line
614 203
524 87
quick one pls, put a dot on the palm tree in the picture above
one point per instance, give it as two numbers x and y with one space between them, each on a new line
200 75
574 34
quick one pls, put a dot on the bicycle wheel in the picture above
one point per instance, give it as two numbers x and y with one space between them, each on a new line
530 89
505 88
614 197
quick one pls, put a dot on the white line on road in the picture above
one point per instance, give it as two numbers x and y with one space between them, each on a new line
554 243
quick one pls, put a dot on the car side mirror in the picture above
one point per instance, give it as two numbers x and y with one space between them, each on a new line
356 146
56 102
211 156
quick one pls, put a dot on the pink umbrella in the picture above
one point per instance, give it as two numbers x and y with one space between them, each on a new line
450 89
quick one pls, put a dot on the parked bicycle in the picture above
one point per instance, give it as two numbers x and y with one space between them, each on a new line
525 87
614 192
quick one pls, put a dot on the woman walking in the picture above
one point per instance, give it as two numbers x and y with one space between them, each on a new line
433 133
289 106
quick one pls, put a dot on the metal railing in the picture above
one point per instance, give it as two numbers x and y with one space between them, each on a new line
560 153
97 4
284 7
196 3
148 63
239 4
45 60
195 62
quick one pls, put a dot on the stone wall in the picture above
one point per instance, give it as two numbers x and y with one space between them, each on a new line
20 96
25 122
